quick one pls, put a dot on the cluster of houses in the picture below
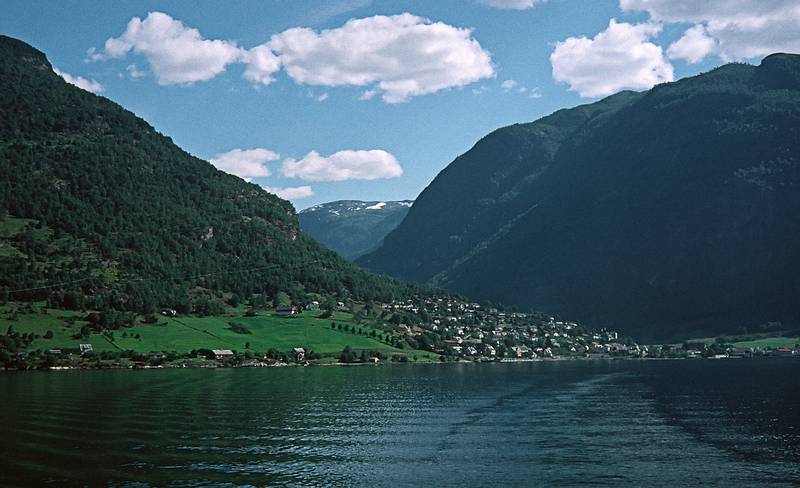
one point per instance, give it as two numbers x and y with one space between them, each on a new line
472 331
313 305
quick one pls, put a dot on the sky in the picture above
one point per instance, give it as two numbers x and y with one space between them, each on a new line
370 99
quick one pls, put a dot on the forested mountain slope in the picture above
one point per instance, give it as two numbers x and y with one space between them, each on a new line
97 209
668 212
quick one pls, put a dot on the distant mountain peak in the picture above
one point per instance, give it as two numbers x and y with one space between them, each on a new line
353 227
340 207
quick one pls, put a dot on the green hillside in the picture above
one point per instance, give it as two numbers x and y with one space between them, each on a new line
100 211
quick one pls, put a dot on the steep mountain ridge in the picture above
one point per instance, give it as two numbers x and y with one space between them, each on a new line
666 213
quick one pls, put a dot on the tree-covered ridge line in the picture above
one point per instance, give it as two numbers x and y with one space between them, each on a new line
96 199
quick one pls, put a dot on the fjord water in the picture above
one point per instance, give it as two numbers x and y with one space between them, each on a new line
667 423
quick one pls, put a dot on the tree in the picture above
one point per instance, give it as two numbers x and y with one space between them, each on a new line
281 299
258 301
347 355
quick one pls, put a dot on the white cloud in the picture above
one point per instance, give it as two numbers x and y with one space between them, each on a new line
343 165
134 72
508 85
398 56
513 86
245 163
81 82
177 54
401 56
261 65
693 46
742 29
511 4
368 95
292 192
619 57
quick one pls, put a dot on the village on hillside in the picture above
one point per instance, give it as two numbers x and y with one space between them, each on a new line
427 329
470 331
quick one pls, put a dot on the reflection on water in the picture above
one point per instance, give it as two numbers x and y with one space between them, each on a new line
567 423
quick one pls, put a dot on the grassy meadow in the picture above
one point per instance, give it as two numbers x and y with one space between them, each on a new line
186 333
773 342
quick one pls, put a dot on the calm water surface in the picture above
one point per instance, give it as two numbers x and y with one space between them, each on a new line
665 423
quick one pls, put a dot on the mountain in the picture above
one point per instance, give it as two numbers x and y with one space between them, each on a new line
353 227
97 209
666 213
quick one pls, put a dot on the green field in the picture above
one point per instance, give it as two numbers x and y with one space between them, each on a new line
183 334
773 342
763 342
44 320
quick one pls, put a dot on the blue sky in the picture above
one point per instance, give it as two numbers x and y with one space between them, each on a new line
373 109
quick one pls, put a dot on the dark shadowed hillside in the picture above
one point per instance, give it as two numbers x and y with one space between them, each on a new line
99 210
668 212
353 227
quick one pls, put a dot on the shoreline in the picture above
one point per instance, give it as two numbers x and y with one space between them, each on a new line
338 364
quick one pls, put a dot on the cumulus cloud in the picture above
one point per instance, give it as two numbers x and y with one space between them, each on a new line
401 56
693 46
511 4
619 57
245 163
261 65
343 165
81 82
178 55
292 192
398 56
741 29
